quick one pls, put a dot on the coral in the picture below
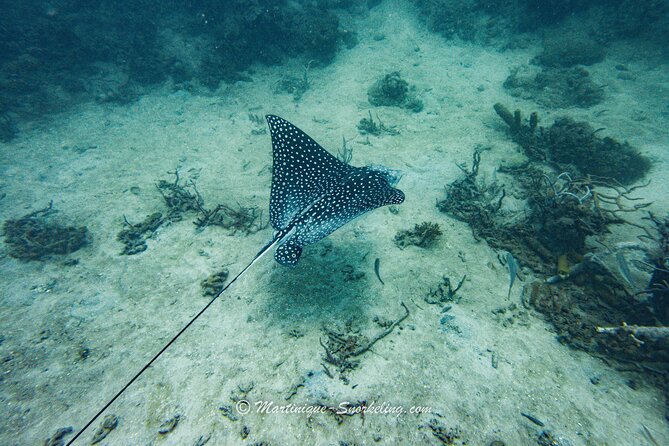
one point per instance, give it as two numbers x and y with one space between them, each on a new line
182 198
263 31
574 146
658 286
35 237
345 153
413 103
371 127
243 219
561 212
259 124
567 51
134 236
589 291
446 436
555 87
537 13
510 23
632 18
392 90
596 298
561 215
445 292
469 20
169 425
60 54
58 438
576 143
109 423
344 346
471 200
423 235
295 86
178 198
213 284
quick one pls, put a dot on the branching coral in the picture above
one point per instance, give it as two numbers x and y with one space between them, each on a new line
422 235
134 236
178 197
343 348
181 198
471 200
295 86
370 126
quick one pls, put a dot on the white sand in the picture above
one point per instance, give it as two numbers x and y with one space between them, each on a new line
123 309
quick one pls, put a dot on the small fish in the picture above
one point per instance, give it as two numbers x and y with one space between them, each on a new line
377 263
513 271
535 420
624 268
649 436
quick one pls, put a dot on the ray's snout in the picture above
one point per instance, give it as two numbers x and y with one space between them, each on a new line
392 176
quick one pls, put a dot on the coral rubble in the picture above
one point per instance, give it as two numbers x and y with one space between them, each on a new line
36 237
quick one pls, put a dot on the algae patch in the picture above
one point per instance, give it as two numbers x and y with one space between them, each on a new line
36 236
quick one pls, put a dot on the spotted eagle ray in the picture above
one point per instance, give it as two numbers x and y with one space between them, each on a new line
312 195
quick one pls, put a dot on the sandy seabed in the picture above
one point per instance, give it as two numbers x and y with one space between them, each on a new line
99 163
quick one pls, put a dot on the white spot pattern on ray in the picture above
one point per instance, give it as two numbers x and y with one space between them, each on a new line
303 171
315 192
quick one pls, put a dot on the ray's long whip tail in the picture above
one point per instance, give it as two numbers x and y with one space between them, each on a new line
276 239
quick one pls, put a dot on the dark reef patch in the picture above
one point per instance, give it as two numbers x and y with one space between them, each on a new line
577 143
296 86
659 280
393 91
607 299
179 198
469 20
212 285
555 87
582 290
265 31
487 21
7 128
36 236
503 22
370 126
471 200
574 147
636 18
567 51
55 55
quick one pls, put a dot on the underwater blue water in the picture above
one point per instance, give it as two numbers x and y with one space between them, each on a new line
463 201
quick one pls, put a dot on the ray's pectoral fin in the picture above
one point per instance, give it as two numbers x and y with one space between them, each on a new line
313 193
288 253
